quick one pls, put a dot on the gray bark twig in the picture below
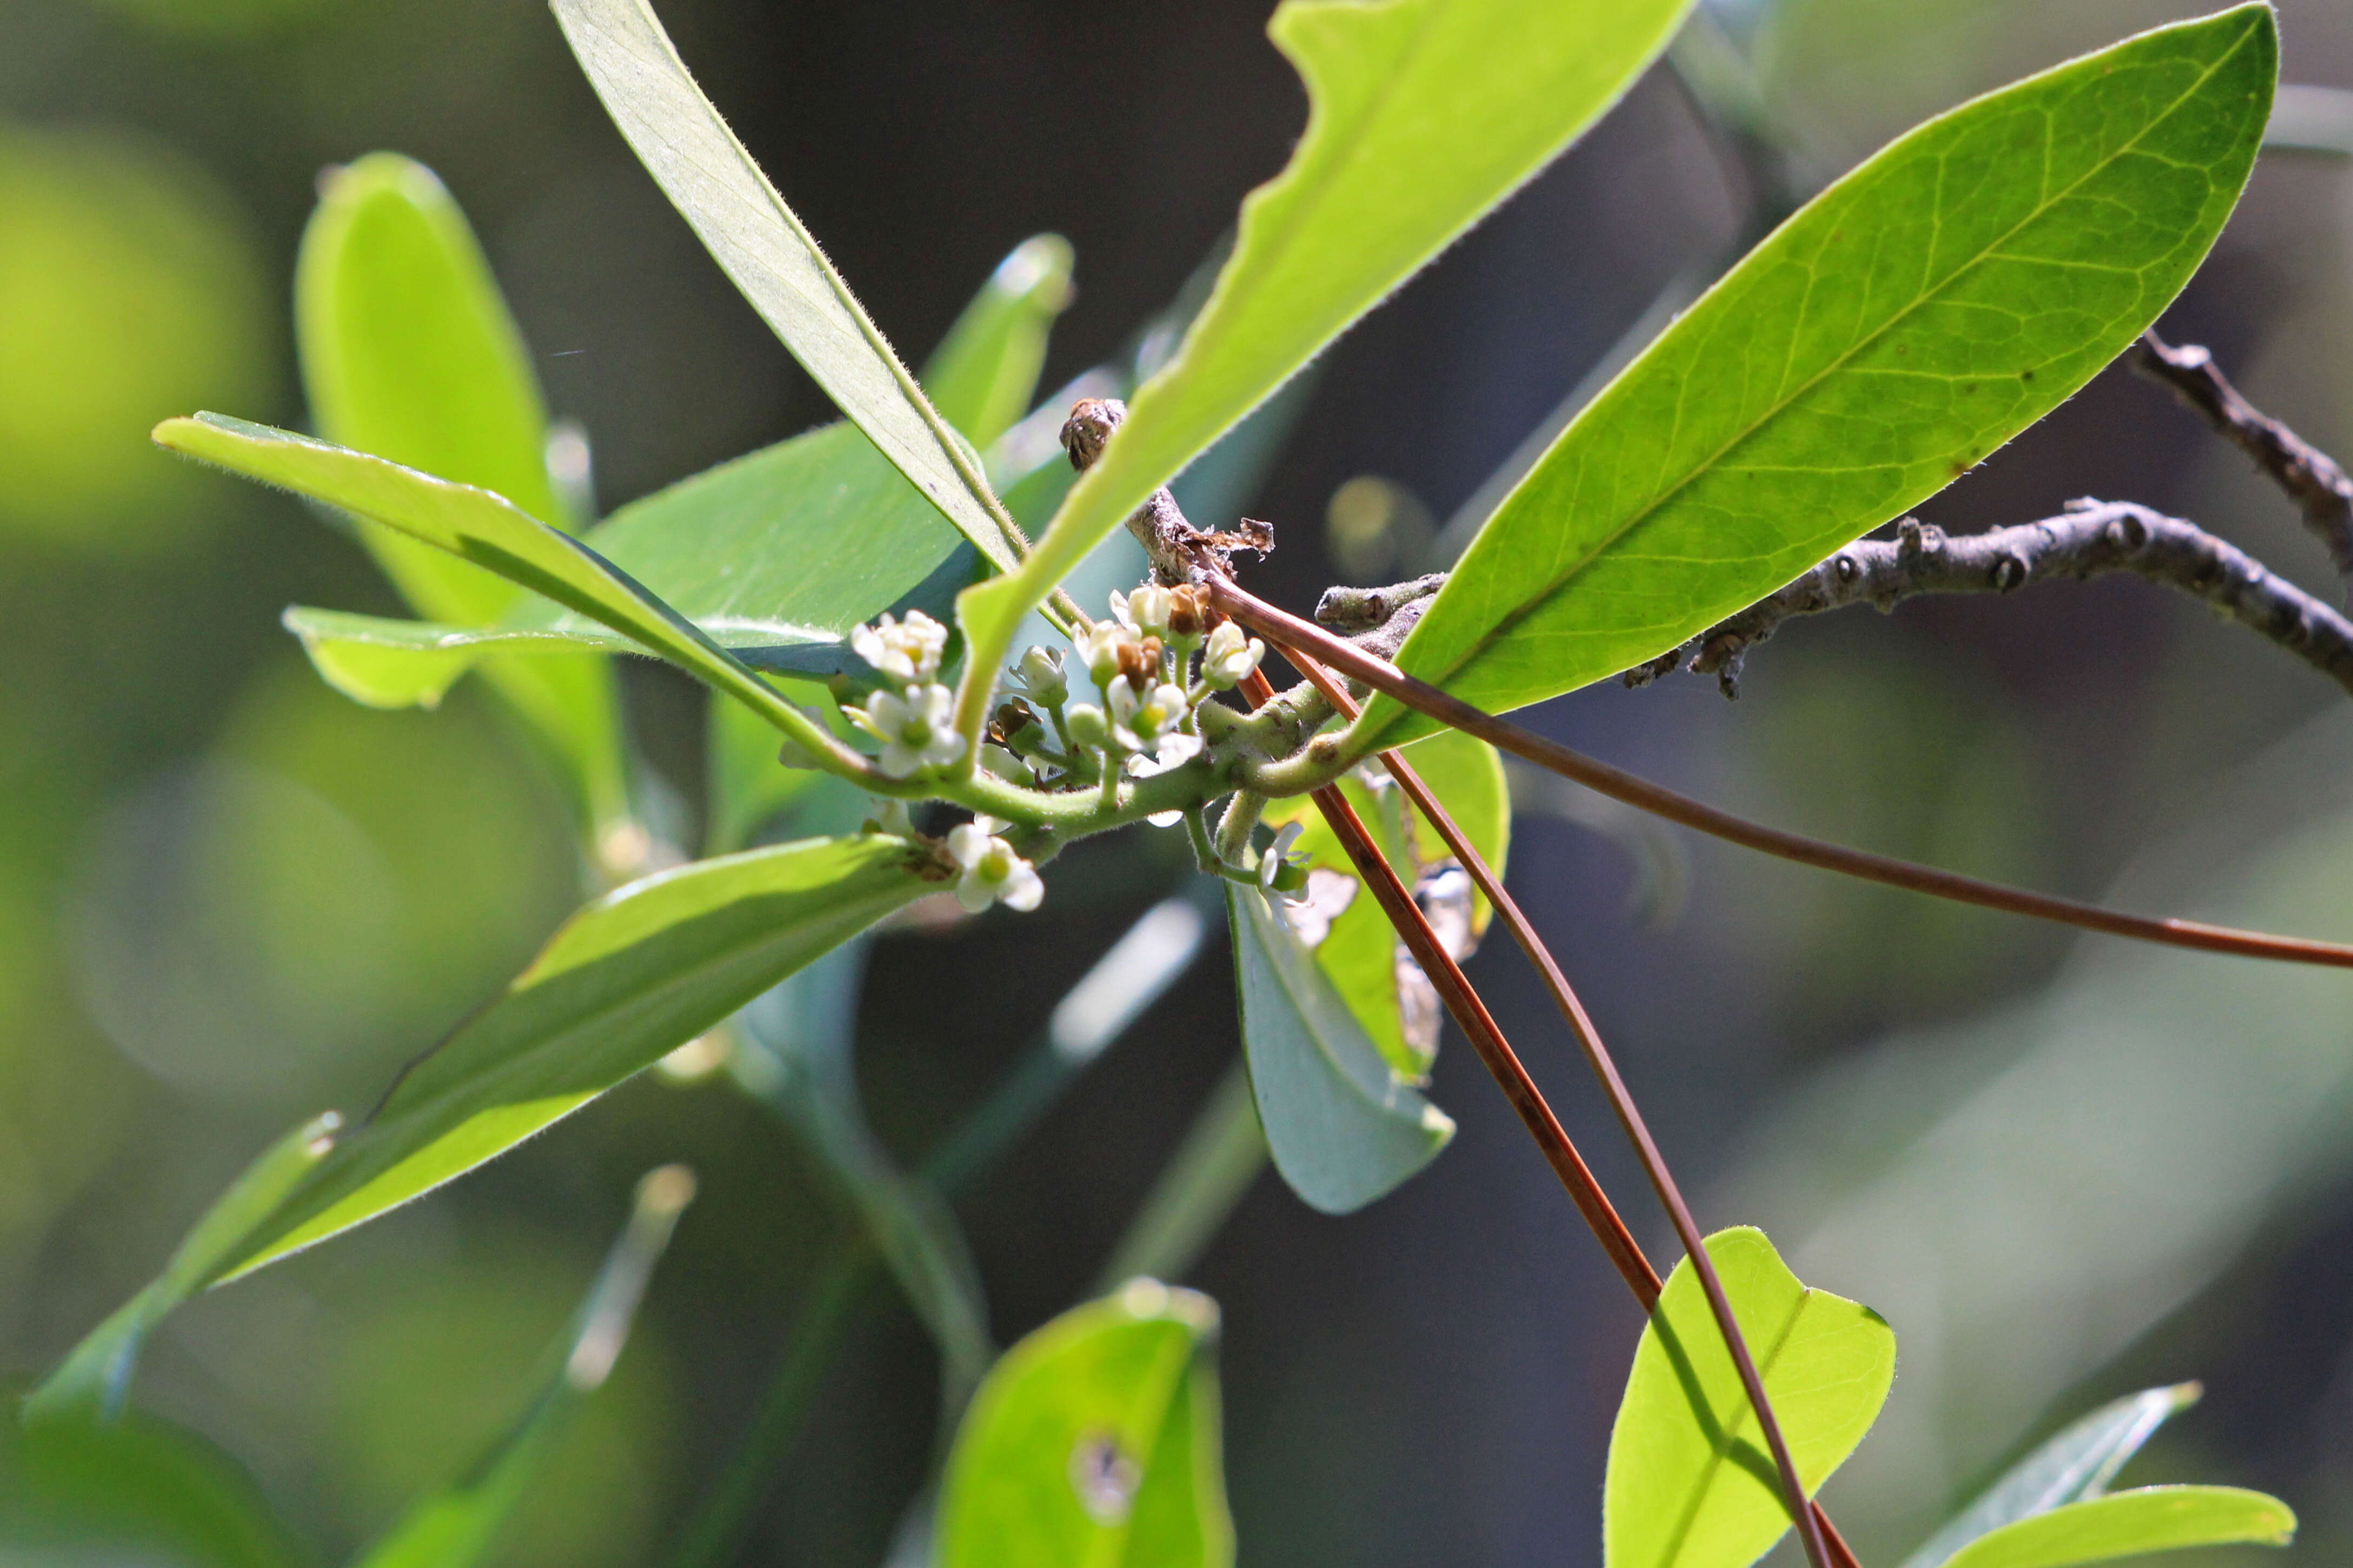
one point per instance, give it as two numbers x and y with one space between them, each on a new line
2091 539
2312 479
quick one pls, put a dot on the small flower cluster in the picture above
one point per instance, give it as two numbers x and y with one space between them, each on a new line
914 720
1142 659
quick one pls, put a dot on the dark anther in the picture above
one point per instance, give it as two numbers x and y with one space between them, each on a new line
1091 421
2007 573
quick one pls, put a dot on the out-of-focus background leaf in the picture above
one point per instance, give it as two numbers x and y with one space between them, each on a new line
230 898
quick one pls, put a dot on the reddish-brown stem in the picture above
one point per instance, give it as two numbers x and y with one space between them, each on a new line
1660 801
1813 1525
1471 1015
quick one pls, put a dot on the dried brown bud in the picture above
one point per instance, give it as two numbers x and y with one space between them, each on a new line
1091 421
1190 615
1139 663
1011 718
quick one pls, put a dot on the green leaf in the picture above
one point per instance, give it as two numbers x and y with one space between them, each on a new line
755 237
2127 1524
1422 115
134 1490
774 556
627 979
1690 1483
94 1381
1359 955
457 1525
1094 1444
1343 1126
481 527
2077 1463
1906 323
984 373
408 350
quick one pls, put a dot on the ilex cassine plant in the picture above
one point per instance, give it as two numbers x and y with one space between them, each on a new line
855 599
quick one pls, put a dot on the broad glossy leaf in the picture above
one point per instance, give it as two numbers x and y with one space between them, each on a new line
137 1490
408 351
745 225
626 980
2077 1463
94 1380
1094 1444
795 1051
1691 1484
2128 1524
481 527
774 556
1422 115
1906 323
1343 1126
457 1525
1359 955
984 373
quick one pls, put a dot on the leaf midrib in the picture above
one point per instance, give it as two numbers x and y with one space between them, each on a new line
1742 1415
1557 584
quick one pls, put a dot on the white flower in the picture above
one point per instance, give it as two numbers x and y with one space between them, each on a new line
1228 658
1099 643
1282 870
905 650
1138 723
993 873
1175 749
1038 677
917 729
1143 611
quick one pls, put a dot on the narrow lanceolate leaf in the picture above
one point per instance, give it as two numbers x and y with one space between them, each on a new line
483 528
137 1490
1094 1443
2078 1463
1422 115
95 1378
629 979
745 225
457 1526
2128 1524
1343 1125
774 556
985 372
1906 323
1690 1483
408 350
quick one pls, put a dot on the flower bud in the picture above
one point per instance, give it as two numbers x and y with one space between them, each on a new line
1089 730
1042 676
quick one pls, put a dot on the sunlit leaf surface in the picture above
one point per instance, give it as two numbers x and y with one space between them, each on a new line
1094 1443
1691 1483
1905 323
2129 1524
1423 114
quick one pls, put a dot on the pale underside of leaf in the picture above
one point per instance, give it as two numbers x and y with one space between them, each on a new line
2131 1524
1343 1126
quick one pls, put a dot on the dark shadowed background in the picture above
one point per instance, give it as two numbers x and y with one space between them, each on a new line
228 898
